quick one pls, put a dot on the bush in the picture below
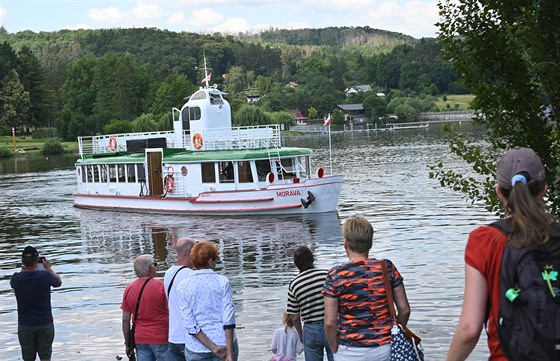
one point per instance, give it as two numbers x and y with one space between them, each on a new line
43 133
52 146
6 153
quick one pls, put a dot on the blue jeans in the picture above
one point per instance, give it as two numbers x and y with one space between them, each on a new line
315 341
177 351
209 356
152 352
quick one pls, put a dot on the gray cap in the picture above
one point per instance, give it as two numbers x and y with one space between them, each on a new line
519 160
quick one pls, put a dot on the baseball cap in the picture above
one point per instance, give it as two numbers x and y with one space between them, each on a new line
519 160
30 251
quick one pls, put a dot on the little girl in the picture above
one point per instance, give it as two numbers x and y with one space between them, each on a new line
286 341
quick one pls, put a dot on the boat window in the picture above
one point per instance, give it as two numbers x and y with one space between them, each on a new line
96 173
141 171
198 95
303 165
226 172
263 168
194 113
90 174
131 173
288 168
208 172
120 173
112 173
215 99
244 170
103 173
83 171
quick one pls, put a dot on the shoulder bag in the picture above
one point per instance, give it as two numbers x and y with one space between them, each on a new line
130 342
404 343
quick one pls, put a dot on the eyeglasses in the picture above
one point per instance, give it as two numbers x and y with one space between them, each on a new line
154 264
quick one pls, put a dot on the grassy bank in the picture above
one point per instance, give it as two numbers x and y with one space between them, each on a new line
455 102
32 146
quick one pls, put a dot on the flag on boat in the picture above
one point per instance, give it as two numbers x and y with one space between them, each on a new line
207 79
327 120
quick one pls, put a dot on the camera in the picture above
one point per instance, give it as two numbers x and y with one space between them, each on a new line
40 265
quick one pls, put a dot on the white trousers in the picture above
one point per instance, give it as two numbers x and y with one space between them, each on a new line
348 353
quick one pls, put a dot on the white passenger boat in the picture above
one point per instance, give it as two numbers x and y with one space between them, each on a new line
203 166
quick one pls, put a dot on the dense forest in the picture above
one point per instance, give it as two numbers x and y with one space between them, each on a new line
84 82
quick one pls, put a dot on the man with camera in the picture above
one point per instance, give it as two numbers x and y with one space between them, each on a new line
32 287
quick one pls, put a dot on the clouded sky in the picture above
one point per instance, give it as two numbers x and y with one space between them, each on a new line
411 17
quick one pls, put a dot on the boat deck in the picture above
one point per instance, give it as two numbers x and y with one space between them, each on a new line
251 137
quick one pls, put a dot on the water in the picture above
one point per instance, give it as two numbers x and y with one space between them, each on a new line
420 226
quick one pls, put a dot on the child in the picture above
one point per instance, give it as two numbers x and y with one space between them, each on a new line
286 341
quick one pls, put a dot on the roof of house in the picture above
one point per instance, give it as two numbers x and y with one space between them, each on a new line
351 107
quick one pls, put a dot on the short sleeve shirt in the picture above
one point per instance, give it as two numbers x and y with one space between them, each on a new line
484 252
33 295
364 318
152 321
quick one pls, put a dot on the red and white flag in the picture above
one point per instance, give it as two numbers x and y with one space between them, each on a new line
207 79
327 120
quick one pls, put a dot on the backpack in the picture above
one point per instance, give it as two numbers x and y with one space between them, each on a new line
529 309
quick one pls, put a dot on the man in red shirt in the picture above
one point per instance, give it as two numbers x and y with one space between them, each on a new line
152 319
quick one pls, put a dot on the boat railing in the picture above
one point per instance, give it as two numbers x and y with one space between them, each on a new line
249 137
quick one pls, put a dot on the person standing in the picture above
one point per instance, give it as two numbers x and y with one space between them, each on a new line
33 295
521 187
152 320
207 309
305 303
173 277
358 322
286 341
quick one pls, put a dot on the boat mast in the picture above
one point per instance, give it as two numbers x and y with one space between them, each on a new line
207 75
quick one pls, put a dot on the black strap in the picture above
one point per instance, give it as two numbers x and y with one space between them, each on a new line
138 302
173 279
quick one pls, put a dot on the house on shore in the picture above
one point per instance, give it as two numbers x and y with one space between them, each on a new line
358 89
354 112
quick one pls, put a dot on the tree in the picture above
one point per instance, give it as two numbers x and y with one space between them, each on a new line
250 115
509 55
15 105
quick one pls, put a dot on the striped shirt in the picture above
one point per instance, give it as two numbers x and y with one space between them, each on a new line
304 295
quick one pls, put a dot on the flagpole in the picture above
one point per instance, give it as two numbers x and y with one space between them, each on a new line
330 148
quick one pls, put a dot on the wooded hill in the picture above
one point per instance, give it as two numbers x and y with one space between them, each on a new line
82 79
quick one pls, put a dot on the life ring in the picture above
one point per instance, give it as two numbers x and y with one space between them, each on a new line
112 144
197 140
168 183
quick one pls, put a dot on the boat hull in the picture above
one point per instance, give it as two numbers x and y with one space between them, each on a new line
313 196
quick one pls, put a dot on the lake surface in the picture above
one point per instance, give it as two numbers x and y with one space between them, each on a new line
420 226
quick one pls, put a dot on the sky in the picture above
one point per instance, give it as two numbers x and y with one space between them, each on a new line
410 17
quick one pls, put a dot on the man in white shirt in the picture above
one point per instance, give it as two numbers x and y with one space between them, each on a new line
173 277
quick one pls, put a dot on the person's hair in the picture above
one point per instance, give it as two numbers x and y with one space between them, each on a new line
303 258
29 261
288 321
358 233
142 265
184 245
202 253
531 224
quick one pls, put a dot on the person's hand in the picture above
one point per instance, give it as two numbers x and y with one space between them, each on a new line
47 264
220 351
129 352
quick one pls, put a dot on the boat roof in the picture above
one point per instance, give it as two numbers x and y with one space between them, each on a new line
188 156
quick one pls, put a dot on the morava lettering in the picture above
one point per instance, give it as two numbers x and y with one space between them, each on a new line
288 193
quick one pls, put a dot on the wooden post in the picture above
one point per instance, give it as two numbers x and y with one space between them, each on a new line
14 136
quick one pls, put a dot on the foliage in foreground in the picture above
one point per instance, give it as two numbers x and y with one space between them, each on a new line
509 54
6 153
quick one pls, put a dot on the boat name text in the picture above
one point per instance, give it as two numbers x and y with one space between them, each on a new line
288 194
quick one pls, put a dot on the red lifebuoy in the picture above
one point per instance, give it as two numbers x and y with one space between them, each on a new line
112 144
197 140
169 183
